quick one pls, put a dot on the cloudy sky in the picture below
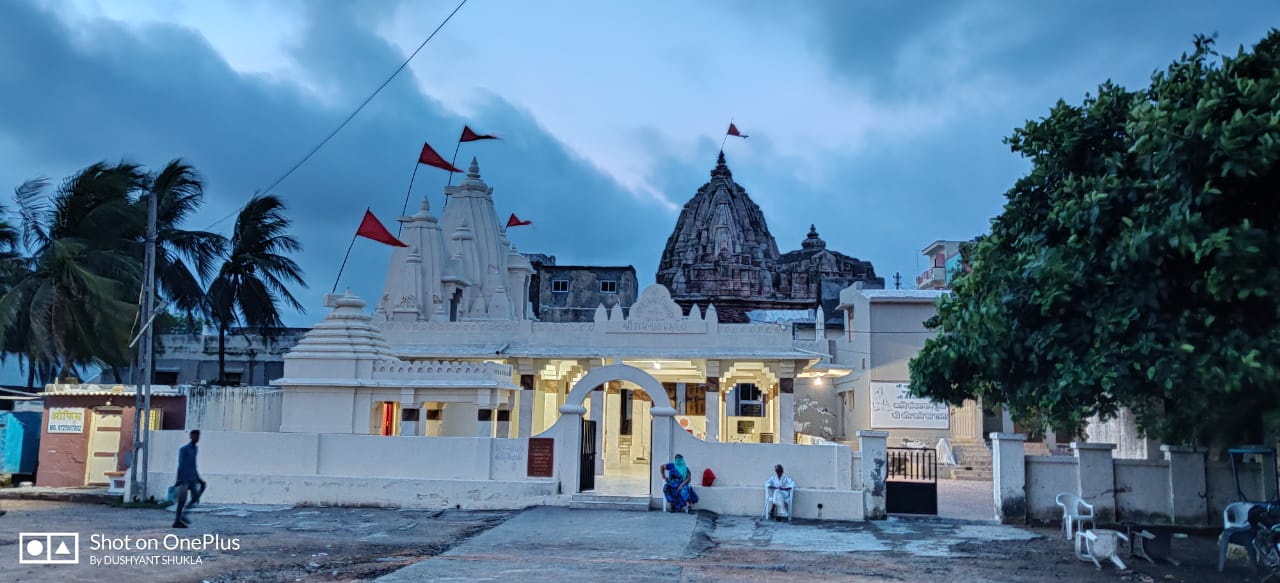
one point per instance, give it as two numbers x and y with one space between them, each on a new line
878 122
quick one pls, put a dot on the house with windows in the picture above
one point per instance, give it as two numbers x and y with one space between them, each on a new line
570 293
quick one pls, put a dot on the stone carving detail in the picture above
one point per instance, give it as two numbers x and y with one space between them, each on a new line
405 302
721 251
721 246
655 305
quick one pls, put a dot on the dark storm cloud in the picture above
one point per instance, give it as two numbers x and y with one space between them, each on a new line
993 66
69 98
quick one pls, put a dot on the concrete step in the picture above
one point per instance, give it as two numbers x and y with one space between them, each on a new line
973 475
599 502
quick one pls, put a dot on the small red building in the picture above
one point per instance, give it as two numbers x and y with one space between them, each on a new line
87 430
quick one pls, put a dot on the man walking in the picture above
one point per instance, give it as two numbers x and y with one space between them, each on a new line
188 479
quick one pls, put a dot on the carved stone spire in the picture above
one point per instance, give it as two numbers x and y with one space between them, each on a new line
813 241
721 246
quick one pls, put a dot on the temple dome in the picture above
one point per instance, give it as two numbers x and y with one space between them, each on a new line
721 245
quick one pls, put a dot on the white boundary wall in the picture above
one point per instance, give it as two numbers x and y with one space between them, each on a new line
1183 488
336 469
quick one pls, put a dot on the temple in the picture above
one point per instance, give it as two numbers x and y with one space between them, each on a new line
721 251
450 390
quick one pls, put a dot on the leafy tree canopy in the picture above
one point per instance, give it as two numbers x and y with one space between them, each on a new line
1136 265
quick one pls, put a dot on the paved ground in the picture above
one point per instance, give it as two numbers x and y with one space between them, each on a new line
966 500
275 543
557 544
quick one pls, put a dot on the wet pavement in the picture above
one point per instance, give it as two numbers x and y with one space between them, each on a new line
281 543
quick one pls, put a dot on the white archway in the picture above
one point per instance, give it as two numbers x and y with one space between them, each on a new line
570 423
618 372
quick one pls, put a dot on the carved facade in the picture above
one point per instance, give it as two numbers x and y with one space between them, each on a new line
460 267
721 252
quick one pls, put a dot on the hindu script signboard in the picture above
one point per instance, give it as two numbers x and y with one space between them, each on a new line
893 407
542 454
66 420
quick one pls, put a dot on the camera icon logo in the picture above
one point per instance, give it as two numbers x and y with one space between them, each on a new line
49 548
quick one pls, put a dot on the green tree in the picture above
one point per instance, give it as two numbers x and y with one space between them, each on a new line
179 194
1136 264
70 301
255 277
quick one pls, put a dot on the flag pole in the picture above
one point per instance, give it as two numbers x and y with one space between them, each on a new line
405 208
453 163
726 135
344 262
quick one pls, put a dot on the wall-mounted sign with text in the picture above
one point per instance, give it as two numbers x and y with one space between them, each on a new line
893 407
66 420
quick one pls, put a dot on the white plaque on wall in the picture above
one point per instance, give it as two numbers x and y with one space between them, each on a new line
66 420
893 407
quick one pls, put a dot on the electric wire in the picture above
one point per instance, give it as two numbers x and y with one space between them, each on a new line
348 119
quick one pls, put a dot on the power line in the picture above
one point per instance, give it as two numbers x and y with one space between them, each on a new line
349 117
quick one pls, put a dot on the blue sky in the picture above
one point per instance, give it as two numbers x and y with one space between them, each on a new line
880 124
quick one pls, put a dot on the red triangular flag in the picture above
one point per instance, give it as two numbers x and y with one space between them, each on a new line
514 222
431 158
733 131
371 228
470 136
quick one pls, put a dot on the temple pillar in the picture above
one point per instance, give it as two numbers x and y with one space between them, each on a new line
596 412
613 427
640 430
713 400
681 395
568 448
786 411
664 428
485 420
526 399
502 423
459 420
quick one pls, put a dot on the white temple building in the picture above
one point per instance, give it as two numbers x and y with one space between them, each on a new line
448 392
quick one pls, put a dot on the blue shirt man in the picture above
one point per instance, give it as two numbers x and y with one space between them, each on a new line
187 474
188 479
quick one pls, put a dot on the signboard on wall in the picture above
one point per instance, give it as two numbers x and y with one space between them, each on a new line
893 407
66 420
541 457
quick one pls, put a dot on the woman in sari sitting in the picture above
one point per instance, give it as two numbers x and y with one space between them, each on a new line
676 489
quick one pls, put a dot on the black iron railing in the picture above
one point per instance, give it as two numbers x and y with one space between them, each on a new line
912 465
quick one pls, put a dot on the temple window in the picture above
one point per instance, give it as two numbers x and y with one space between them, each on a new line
608 287
559 285
695 399
750 402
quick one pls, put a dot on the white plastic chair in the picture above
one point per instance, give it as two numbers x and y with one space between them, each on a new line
1236 529
1100 545
788 495
1075 512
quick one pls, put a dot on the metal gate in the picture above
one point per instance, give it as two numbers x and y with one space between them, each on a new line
587 461
912 481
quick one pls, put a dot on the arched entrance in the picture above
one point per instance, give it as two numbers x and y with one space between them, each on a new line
576 461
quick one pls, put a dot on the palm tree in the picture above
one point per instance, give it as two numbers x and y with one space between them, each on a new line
255 276
69 303
179 194
13 267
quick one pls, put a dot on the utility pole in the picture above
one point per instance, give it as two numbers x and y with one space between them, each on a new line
897 280
145 350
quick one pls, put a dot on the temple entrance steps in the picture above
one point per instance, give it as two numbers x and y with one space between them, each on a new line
588 501
974 459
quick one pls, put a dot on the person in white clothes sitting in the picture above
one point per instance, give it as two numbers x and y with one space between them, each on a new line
779 490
